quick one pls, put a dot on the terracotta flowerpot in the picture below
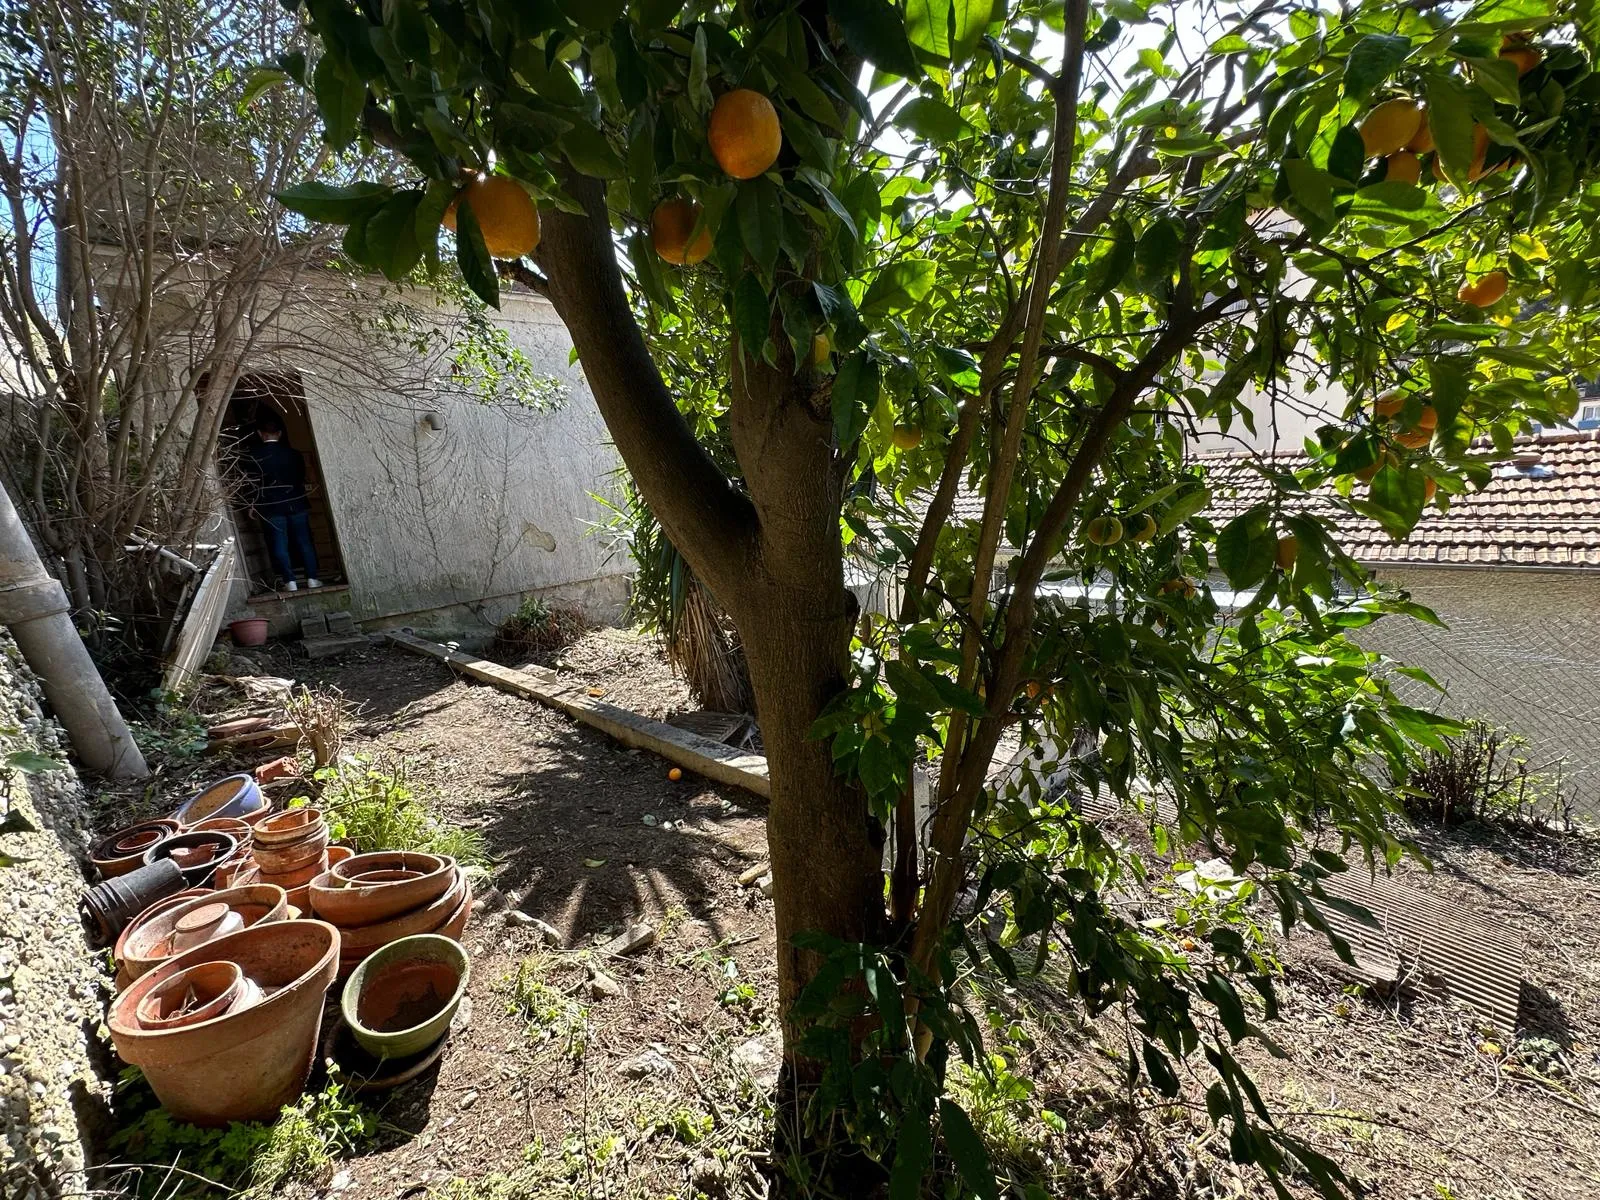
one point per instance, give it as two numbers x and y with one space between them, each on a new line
289 826
200 993
425 918
338 854
124 851
295 877
235 796
281 858
109 907
451 926
237 828
399 1001
243 1065
248 631
197 854
350 896
148 940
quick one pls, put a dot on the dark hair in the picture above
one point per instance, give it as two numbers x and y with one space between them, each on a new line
268 421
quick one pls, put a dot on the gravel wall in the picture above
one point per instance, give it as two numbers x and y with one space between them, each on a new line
51 1000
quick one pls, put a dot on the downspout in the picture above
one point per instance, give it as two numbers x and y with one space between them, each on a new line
34 607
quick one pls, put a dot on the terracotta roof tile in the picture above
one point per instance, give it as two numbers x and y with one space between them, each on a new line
1547 517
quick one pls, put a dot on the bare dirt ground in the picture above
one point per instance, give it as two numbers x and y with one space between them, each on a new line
555 1090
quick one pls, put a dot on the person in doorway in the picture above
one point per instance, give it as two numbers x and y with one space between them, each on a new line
277 493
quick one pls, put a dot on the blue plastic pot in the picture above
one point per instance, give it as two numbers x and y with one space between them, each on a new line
235 796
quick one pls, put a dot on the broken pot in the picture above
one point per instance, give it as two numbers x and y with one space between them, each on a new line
247 1064
400 1000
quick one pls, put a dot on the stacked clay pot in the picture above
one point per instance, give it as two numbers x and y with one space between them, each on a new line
374 899
243 834
290 849
171 926
119 853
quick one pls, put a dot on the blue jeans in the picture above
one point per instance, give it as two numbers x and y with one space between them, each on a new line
283 530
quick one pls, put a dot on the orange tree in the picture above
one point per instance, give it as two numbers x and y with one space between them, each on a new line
965 251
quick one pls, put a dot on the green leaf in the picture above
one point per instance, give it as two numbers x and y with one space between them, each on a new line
1181 509
928 26
1372 61
1221 992
1312 188
590 151
333 205
855 395
1111 267
760 214
1450 120
31 762
472 256
932 119
875 30
340 99
972 17
913 1155
1155 259
260 81
840 313
899 286
1245 548
391 235
752 314
1498 77
593 14
967 1149
798 86
699 77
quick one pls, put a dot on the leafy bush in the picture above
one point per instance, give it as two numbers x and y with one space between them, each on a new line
256 1157
375 806
1484 774
538 629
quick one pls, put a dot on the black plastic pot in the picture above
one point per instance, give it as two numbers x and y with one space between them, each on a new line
111 905
174 850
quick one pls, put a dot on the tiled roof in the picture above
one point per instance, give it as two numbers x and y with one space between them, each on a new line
1543 515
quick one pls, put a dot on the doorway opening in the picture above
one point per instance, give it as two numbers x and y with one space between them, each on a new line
283 394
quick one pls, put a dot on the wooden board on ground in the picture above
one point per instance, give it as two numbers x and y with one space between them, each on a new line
715 761
1423 943
204 620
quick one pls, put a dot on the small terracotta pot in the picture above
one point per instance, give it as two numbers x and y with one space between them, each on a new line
399 1001
350 896
338 854
243 1065
198 994
248 631
450 926
290 825
148 940
235 796
124 851
237 828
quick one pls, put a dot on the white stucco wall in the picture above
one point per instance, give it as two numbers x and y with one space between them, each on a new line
1522 649
450 527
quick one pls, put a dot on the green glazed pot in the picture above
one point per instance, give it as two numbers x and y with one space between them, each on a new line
400 999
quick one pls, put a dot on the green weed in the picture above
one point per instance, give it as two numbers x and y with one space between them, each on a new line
375 805
553 1016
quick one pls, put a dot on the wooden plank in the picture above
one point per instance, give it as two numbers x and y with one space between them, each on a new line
201 626
715 761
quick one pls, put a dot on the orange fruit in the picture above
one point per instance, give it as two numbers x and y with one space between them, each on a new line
1288 549
906 437
1402 167
1146 531
744 133
1388 404
1033 689
1370 472
671 225
1429 488
1422 141
1526 58
1480 150
1183 585
675 774
1484 292
1420 434
1104 531
1389 126
821 347
506 215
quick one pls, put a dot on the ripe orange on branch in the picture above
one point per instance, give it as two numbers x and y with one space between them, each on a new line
671 225
1485 291
1389 126
505 212
1402 167
744 133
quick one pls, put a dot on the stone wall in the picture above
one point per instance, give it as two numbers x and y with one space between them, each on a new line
51 998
